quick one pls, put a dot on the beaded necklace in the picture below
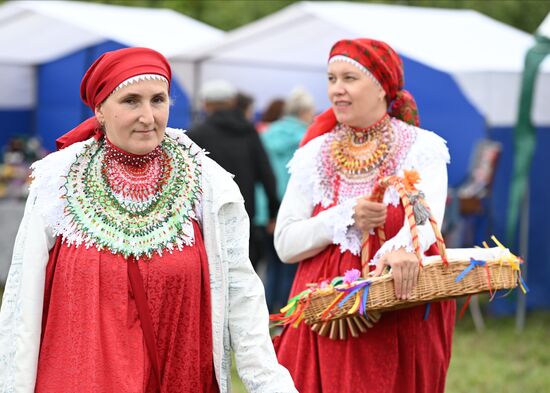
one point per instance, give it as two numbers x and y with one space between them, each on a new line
133 205
352 159
135 180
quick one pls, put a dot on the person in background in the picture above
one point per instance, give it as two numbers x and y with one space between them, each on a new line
273 112
232 141
130 271
245 104
281 140
370 132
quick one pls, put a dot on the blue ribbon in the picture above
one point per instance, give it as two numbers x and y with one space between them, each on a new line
524 284
363 305
469 268
427 311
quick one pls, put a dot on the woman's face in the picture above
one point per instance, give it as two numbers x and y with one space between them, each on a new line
356 99
134 117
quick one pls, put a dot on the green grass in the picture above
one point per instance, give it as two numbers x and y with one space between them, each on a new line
499 359
496 361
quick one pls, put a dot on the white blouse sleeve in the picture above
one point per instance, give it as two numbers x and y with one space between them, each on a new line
298 235
21 311
429 156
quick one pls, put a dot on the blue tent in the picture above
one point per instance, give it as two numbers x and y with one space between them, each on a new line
45 48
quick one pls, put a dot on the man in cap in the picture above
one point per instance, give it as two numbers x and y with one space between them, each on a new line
233 142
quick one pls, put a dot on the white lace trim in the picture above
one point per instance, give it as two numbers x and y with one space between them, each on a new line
181 137
138 78
428 149
344 232
391 246
303 167
49 176
358 65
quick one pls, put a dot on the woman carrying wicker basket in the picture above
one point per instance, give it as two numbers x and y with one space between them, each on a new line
370 132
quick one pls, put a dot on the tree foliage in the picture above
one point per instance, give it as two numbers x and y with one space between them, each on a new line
230 14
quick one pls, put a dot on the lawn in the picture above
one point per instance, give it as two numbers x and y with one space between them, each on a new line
498 360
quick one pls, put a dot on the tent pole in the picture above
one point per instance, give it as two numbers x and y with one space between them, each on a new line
521 307
34 120
195 102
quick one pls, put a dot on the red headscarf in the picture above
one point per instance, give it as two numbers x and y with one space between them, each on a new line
105 75
386 67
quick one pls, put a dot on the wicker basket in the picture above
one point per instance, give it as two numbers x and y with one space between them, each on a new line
435 282
337 309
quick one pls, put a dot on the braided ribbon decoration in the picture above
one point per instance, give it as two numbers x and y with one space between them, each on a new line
404 188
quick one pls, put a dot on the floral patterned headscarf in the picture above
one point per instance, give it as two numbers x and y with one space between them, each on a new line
380 62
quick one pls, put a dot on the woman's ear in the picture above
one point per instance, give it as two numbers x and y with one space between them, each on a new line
99 115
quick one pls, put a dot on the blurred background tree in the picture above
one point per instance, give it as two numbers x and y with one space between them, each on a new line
230 14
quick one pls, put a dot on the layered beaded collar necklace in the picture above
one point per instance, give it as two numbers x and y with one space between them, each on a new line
357 151
132 205
352 159
135 180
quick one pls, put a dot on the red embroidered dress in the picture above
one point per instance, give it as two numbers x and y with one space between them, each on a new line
119 206
402 352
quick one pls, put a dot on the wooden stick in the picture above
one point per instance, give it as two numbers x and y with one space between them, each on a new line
334 330
342 327
366 321
316 327
324 328
362 327
374 316
352 327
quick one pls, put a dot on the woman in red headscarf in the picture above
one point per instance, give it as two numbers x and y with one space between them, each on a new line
130 271
369 132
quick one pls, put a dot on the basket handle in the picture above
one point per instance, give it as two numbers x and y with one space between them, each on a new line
378 196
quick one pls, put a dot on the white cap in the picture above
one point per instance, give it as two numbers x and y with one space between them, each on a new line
299 100
217 90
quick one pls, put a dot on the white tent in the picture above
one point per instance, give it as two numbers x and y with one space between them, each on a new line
544 28
485 57
37 32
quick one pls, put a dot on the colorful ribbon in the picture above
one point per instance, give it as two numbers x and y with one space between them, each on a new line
469 268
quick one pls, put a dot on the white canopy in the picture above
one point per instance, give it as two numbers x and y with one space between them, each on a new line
485 57
36 32
544 28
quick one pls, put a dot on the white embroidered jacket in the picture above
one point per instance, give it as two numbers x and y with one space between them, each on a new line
299 236
239 312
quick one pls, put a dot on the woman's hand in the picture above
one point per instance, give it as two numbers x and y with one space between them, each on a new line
369 215
404 269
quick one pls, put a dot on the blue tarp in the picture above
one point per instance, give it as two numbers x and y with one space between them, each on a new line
538 258
14 123
444 109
